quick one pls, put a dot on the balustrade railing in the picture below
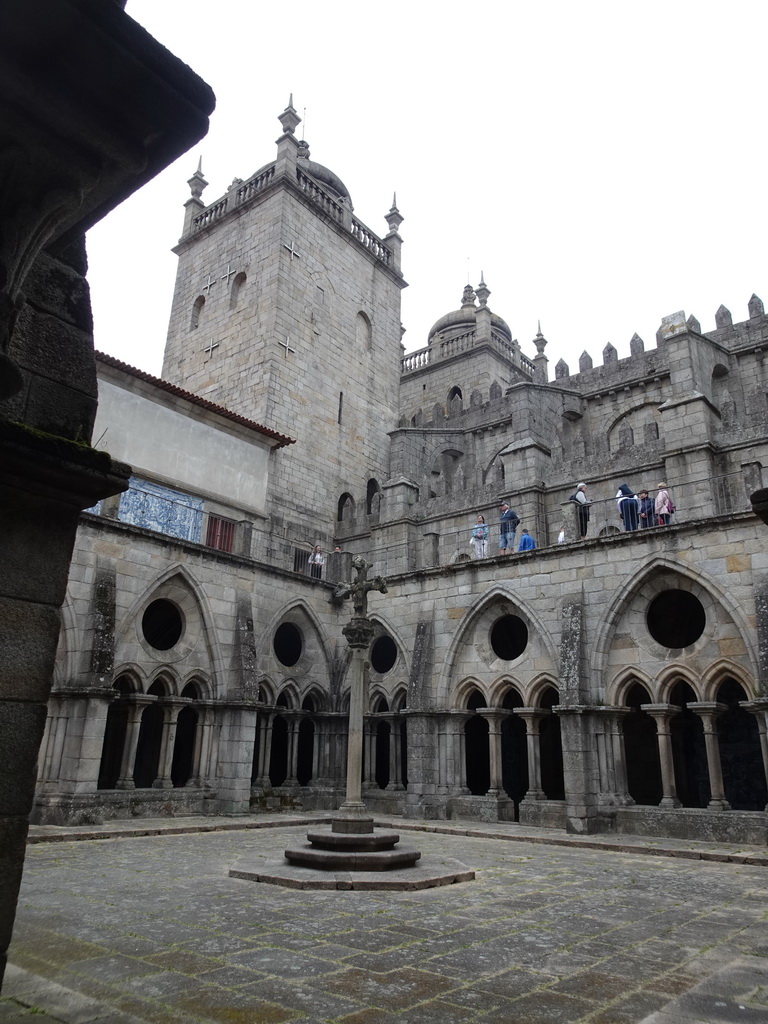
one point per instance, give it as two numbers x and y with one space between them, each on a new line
371 242
320 197
314 191
213 213
254 185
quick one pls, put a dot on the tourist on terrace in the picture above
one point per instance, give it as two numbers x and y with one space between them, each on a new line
647 510
583 503
480 538
663 505
509 521
316 562
527 543
628 506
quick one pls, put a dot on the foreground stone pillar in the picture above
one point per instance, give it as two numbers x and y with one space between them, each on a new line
131 742
494 717
168 743
759 709
708 712
532 718
129 109
663 714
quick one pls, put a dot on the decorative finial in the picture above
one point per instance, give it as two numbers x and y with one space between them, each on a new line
483 291
197 182
289 119
538 331
394 218
468 297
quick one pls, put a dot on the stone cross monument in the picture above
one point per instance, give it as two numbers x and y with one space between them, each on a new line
353 816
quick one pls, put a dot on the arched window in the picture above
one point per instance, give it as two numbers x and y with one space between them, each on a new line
346 510
236 290
372 497
363 331
197 308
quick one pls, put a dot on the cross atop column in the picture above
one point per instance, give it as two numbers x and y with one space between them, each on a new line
226 277
208 285
287 346
210 347
292 251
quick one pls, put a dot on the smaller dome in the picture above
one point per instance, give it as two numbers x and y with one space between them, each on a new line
463 319
326 177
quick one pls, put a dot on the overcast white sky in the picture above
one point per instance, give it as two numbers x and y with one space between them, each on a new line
603 163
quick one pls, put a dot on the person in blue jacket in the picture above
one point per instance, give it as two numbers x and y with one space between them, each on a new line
527 543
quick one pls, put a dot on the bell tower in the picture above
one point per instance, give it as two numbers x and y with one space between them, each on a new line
287 310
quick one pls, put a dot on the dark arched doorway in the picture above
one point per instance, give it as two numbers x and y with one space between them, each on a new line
688 750
184 747
641 750
740 754
115 730
278 758
514 752
477 748
551 748
149 745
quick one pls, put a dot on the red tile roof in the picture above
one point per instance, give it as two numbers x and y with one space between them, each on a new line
172 389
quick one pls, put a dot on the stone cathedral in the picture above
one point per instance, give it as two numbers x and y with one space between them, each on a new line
607 680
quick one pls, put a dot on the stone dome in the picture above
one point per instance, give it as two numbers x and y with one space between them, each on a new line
463 319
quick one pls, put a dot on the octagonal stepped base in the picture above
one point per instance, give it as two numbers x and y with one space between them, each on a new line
345 860
354 842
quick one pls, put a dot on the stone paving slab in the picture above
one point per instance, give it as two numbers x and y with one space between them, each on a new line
151 928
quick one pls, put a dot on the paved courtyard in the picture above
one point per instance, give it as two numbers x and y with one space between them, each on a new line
152 928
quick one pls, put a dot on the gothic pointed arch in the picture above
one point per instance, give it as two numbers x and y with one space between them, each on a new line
289 695
616 695
294 644
496 636
538 689
626 624
463 692
318 698
502 687
266 690
171 623
672 676
720 671
199 681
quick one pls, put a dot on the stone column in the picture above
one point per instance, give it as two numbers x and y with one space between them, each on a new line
494 717
353 815
136 707
265 747
532 718
458 720
612 761
370 742
294 721
197 751
318 726
171 711
395 753
708 712
663 714
759 709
